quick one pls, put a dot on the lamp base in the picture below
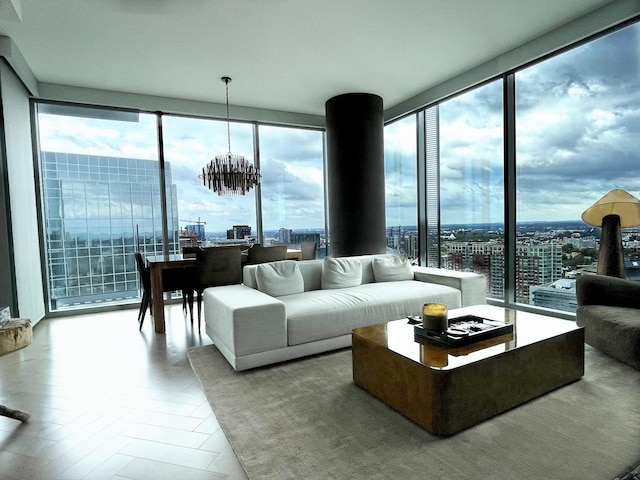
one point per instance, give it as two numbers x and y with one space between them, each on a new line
610 254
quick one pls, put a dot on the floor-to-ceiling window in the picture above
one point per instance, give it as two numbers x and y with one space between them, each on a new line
101 201
400 150
471 182
577 129
204 217
293 205
524 170
101 191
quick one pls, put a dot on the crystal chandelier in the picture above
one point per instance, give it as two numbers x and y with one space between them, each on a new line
229 174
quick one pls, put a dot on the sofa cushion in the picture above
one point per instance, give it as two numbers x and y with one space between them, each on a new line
320 314
392 268
341 273
613 330
279 278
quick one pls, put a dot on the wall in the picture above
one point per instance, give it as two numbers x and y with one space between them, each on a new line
23 238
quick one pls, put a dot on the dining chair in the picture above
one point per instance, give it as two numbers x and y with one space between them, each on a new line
190 252
309 250
172 280
215 267
260 254
145 281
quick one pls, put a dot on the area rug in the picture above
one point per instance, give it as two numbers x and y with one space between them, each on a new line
306 419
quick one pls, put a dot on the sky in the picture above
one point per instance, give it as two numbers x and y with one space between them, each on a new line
577 137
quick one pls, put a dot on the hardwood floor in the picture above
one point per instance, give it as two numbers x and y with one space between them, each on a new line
110 402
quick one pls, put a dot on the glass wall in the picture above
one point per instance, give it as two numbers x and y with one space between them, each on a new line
401 179
101 201
100 173
573 118
204 217
577 128
574 121
293 206
471 181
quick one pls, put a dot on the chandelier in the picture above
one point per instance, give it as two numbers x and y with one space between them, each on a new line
229 174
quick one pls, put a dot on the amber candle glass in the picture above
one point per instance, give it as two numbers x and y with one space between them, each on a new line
435 316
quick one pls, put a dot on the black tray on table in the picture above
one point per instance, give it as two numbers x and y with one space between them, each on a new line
465 330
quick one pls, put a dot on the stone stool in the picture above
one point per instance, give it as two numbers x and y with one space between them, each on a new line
14 335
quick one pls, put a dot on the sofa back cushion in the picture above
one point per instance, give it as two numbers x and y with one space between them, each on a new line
311 271
392 268
279 278
341 272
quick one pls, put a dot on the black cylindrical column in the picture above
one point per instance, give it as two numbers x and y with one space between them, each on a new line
355 174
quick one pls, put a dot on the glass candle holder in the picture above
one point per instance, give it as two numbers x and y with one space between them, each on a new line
435 316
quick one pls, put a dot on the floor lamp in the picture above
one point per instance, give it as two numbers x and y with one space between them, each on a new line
616 210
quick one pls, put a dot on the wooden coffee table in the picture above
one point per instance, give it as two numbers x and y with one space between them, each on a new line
446 390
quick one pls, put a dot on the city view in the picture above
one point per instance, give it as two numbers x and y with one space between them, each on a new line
575 118
550 255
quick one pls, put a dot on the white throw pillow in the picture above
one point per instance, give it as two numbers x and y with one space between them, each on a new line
341 272
279 278
391 268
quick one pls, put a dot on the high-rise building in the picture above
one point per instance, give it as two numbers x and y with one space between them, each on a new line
284 235
299 237
402 242
535 265
196 230
560 295
98 211
239 232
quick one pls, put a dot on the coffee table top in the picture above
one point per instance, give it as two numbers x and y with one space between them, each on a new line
528 328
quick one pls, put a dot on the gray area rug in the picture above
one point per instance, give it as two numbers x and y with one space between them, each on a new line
306 419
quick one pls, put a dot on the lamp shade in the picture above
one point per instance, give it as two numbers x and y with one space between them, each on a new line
616 202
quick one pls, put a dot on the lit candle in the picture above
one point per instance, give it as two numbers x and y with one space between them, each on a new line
435 316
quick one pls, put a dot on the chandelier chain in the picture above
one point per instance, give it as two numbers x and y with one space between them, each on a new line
226 83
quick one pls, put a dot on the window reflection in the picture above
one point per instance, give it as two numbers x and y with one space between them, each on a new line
400 152
291 161
472 184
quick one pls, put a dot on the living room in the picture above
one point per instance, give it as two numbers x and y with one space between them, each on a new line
406 110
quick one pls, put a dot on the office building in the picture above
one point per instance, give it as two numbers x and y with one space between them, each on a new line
98 211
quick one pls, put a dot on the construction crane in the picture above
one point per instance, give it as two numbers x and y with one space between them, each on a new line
198 222
190 238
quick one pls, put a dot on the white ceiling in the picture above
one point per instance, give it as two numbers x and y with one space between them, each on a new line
289 55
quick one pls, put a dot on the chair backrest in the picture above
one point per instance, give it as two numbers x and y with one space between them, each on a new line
143 272
259 254
218 266
309 250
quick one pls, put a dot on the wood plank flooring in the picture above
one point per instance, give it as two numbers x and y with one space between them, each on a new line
110 402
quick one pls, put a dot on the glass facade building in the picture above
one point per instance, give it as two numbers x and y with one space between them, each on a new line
98 211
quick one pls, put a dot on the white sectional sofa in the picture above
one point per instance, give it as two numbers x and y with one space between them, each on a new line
290 309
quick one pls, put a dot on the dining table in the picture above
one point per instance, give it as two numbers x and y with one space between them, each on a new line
159 263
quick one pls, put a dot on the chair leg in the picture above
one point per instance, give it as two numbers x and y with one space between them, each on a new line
185 294
144 304
190 301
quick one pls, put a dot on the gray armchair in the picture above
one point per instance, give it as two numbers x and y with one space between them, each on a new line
609 311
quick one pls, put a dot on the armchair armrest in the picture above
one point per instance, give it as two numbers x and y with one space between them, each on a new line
245 320
472 286
604 290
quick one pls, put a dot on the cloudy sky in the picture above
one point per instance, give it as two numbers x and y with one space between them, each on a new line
577 134
577 137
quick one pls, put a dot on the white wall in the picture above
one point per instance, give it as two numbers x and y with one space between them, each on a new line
22 195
